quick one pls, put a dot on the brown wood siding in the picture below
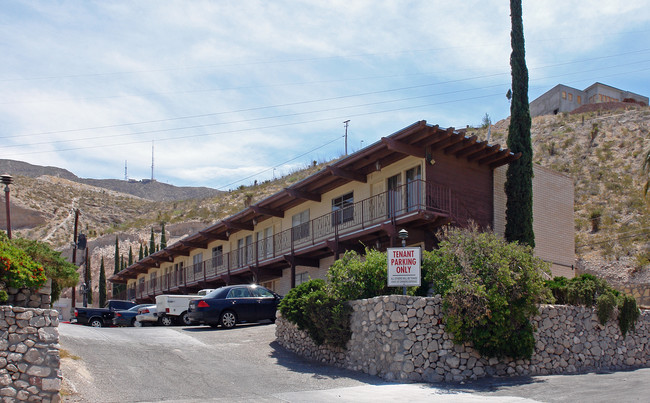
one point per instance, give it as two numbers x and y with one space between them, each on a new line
470 182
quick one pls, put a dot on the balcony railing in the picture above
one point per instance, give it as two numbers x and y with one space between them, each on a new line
407 199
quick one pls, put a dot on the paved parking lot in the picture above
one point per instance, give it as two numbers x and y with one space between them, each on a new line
193 364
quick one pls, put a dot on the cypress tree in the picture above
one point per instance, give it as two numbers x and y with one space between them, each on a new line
117 264
146 250
519 177
102 284
141 254
163 237
130 255
152 243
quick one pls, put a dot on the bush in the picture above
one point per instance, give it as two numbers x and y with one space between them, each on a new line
490 290
558 287
17 269
293 304
330 319
585 290
357 277
605 305
628 313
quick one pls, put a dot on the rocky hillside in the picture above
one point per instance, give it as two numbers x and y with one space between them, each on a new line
146 189
601 150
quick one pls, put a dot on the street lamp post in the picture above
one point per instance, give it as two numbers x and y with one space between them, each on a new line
7 180
403 235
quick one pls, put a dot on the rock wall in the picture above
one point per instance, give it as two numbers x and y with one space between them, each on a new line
29 298
403 338
29 355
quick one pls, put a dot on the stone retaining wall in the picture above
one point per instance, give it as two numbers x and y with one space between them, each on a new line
29 355
402 338
29 298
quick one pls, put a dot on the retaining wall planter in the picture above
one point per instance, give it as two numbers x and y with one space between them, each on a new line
403 338
29 355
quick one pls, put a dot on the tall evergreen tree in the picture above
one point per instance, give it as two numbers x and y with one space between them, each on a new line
163 237
117 264
141 254
519 177
102 284
152 243
146 250
130 255
646 172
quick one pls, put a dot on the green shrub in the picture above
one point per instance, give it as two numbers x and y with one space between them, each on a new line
558 287
330 319
17 269
293 304
628 313
357 277
490 291
605 305
585 289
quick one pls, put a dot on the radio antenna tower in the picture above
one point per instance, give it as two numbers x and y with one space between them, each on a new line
152 160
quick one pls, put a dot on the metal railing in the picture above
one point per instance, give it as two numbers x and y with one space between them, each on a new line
413 197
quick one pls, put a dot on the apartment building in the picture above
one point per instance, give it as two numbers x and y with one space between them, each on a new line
419 179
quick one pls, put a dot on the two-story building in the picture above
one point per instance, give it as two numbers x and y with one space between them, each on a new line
419 179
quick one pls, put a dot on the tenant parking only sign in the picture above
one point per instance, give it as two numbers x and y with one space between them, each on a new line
403 267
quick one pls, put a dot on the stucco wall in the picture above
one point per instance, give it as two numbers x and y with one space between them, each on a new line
403 338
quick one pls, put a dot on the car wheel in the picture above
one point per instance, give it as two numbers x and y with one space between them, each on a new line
166 321
95 322
228 319
185 319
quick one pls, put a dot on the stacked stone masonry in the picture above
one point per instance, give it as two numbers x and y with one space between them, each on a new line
403 338
29 355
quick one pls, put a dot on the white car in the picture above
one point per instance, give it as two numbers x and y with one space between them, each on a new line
146 315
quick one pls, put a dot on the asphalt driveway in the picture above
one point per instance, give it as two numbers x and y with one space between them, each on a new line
196 364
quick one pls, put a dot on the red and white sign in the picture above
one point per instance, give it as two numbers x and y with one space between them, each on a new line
404 267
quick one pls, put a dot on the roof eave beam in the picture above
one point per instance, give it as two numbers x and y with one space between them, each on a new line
299 194
267 211
403 148
239 226
347 174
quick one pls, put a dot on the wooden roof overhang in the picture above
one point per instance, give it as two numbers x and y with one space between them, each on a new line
419 140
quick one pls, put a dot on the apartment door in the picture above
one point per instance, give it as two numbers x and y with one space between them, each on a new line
413 188
394 197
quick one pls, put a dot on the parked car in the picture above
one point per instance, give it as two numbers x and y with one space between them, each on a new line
127 317
147 316
230 305
173 308
98 317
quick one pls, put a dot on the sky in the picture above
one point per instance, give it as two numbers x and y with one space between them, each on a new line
224 93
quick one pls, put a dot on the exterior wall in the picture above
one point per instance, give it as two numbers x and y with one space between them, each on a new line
28 298
29 354
553 221
402 338
562 98
471 184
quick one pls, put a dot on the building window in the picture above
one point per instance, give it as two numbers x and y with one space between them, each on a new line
413 188
302 278
264 241
152 279
197 260
579 100
394 195
570 97
563 94
300 225
343 208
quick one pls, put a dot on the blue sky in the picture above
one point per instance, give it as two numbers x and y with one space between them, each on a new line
233 91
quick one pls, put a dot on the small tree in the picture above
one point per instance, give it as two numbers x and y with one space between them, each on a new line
163 237
102 284
130 255
116 287
646 173
141 253
152 243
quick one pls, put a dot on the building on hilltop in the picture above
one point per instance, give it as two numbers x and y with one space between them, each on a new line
563 98
420 178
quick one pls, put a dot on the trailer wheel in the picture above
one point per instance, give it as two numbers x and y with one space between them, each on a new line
185 319
166 321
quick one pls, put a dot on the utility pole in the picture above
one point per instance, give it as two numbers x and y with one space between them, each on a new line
74 254
346 136
7 180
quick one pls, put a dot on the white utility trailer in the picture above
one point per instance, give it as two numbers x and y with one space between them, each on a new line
173 308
